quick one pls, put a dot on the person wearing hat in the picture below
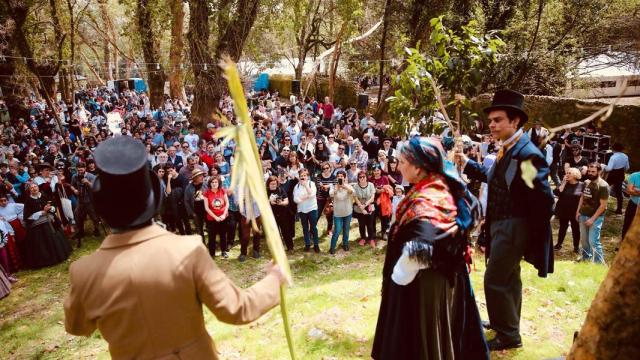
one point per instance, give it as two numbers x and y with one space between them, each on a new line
426 290
387 148
518 217
194 202
537 133
145 287
81 184
575 159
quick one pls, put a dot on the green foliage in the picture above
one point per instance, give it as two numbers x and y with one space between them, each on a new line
457 62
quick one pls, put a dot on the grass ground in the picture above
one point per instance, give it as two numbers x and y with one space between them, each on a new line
333 307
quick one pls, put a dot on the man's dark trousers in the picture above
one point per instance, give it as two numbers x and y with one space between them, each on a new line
502 284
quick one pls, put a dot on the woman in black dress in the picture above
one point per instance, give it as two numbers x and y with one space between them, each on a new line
45 243
428 310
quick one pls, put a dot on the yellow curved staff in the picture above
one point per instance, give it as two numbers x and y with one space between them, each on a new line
247 181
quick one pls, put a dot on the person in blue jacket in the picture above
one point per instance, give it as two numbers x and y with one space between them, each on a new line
518 216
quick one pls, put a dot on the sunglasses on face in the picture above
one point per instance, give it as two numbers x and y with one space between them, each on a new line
340 148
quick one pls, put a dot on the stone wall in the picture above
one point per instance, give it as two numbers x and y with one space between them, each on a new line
623 125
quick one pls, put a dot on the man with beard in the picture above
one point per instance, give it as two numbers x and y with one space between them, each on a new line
590 215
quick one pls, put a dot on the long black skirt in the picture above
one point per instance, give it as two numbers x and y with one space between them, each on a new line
45 245
430 318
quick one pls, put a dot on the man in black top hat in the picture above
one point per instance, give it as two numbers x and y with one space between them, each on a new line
518 216
145 287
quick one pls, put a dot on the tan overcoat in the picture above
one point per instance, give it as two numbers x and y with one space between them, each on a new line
144 290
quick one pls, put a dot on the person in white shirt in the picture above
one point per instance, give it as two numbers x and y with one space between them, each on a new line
192 138
339 160
332 145
304 194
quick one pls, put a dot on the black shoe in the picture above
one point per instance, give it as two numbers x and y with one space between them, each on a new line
332 251
345 247
497 344
576 251
316 249
256 254
225 255
242 258
558 247
486 324
307 248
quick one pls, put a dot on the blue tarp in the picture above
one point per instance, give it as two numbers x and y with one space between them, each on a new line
262 82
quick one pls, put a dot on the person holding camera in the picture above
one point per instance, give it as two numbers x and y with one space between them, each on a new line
45 243
304 195
342 194
81 184
279 201
569 193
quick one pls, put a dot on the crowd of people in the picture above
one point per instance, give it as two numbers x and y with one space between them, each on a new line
319 160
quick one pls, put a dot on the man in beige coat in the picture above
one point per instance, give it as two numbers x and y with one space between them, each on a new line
144 287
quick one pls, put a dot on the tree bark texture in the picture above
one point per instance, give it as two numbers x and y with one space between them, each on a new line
611 328
106 46
176 76
383 44
13 89
151 52
46 71
210 84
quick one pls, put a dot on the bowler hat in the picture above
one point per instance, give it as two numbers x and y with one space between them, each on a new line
126 193
508 99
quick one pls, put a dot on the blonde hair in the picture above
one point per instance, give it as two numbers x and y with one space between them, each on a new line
575 172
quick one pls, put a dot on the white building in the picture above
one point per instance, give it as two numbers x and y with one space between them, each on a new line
604 76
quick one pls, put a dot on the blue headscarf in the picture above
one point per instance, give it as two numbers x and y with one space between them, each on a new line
428 154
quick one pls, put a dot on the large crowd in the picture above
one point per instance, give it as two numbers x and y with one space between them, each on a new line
319 160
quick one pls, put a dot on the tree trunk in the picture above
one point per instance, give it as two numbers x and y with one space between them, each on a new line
204 105
611 328
13 89
176 77
383 44
65 86
300 65
333 66
151 52
106 46
209 82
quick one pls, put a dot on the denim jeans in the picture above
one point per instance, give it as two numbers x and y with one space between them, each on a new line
342 225
590 239
309 223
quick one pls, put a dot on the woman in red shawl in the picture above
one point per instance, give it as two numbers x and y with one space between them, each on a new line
428 310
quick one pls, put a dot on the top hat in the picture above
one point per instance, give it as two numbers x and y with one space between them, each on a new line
126 193
508 99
